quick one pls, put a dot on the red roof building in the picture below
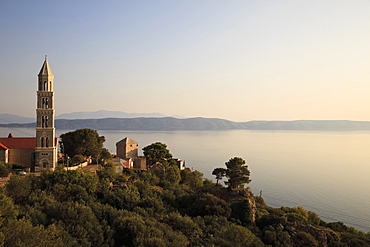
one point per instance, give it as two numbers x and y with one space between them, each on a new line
18 150
19 142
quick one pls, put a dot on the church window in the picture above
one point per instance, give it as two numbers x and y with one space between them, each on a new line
45 86
45 121
42 142
47 142
45 103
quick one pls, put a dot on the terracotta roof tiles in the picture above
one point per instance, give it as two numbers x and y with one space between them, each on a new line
19 142
2 146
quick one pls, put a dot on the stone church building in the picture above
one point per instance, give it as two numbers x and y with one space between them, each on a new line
40 152
127 151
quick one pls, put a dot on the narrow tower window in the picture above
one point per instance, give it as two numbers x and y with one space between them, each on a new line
45 103
47 142
45 121
42 142
45 86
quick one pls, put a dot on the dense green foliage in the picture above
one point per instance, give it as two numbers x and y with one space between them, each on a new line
85 142
237 173
158 153
219 173
153 208
5 169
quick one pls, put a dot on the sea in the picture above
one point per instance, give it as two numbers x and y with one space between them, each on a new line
322 171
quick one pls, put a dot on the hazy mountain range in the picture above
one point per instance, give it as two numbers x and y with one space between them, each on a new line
102 120
109 114
10 118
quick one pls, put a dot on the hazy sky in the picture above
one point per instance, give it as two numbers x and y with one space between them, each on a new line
238 60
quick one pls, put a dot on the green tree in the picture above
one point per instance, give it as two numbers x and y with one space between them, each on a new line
219 173
237 172
158 152
238 236
86 142
7 209
241 211
184 224
193 179
107 172
5 169
173 175
206 204
78 159
19 188
305 239
22 233
105 155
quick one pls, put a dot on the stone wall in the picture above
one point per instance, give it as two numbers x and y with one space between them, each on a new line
3 155
140 162
76 167
127 148
21 156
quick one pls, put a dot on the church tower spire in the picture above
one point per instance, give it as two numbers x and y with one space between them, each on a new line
46 145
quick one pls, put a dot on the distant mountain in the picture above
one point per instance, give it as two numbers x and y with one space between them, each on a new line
10 118
173 124
108 114
166 123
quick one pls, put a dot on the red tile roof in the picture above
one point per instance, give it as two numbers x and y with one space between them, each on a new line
3 146
19 142
125 162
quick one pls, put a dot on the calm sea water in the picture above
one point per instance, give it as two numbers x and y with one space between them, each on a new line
325 172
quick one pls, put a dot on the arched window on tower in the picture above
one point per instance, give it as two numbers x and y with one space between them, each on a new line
47 142
45 103
42 142
45 121
45 86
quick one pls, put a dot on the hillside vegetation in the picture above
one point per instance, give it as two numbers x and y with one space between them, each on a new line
153 208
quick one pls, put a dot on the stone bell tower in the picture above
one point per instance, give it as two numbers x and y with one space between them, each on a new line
46 144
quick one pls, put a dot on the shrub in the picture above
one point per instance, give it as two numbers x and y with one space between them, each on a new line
5 169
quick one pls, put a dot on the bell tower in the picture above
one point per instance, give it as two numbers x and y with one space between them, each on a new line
46 145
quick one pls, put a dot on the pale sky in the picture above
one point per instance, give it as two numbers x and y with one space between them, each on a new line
238 60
